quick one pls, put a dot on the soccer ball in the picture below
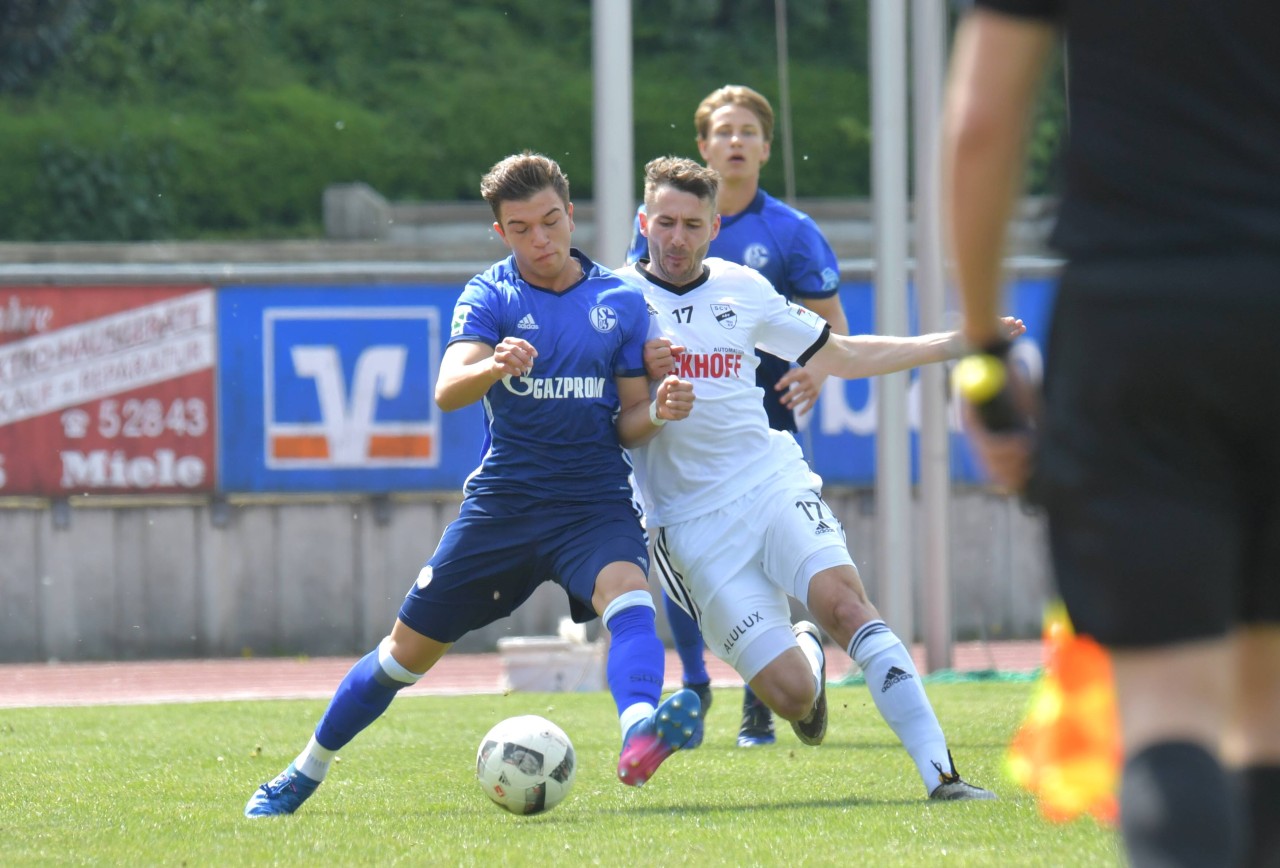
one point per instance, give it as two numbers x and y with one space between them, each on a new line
526 764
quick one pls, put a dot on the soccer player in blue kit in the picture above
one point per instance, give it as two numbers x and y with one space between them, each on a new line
553 346
734 135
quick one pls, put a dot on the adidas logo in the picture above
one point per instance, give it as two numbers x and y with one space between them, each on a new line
893 676
822 528
526 322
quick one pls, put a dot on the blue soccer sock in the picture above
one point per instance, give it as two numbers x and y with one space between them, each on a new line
362 696
750 699
688 641
637 660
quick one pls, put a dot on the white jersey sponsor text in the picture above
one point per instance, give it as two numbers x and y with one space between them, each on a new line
725 447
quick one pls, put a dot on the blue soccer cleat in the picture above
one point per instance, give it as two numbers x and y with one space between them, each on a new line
281 796
658 736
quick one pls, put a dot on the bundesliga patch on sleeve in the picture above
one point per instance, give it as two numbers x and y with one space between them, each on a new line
804 314
459 319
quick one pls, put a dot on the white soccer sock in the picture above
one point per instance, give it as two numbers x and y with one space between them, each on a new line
632 715
314 760
900 698
813 652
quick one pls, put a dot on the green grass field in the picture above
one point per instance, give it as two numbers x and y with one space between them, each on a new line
166 785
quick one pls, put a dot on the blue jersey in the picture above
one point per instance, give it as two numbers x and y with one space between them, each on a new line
551 435
788 248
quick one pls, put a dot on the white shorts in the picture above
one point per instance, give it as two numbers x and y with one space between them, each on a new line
733 569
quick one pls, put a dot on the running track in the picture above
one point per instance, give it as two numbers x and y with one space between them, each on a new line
27 685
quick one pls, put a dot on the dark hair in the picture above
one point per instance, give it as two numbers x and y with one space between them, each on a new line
520 177
734 94
683 174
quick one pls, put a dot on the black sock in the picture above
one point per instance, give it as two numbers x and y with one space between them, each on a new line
1260 792
1178 808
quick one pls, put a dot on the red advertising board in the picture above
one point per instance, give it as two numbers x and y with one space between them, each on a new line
106 390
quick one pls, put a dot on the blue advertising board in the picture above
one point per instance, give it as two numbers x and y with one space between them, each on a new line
330 388
839 434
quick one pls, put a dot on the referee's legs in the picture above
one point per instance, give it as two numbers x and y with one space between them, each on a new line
1178 805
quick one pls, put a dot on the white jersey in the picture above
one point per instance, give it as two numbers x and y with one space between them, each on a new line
725 448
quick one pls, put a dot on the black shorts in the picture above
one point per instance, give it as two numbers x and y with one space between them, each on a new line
1159 463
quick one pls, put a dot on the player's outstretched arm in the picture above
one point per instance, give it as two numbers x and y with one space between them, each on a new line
641 418
469 368
852 357
800 387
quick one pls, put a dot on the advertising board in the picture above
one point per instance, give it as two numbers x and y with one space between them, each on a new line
331 389
106 390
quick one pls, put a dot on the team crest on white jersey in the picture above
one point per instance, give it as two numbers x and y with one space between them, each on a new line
725 315
755 256
604 319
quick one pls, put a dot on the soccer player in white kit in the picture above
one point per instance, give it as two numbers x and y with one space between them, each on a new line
742 525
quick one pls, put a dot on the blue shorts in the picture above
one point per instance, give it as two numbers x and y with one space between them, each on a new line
493 556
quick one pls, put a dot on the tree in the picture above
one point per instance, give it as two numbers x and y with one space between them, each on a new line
34 34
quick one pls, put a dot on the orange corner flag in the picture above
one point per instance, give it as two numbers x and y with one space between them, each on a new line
1067 750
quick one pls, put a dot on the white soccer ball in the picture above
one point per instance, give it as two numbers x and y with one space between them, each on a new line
526 764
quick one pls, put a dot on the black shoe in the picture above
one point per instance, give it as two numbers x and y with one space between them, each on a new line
953 789
757 723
